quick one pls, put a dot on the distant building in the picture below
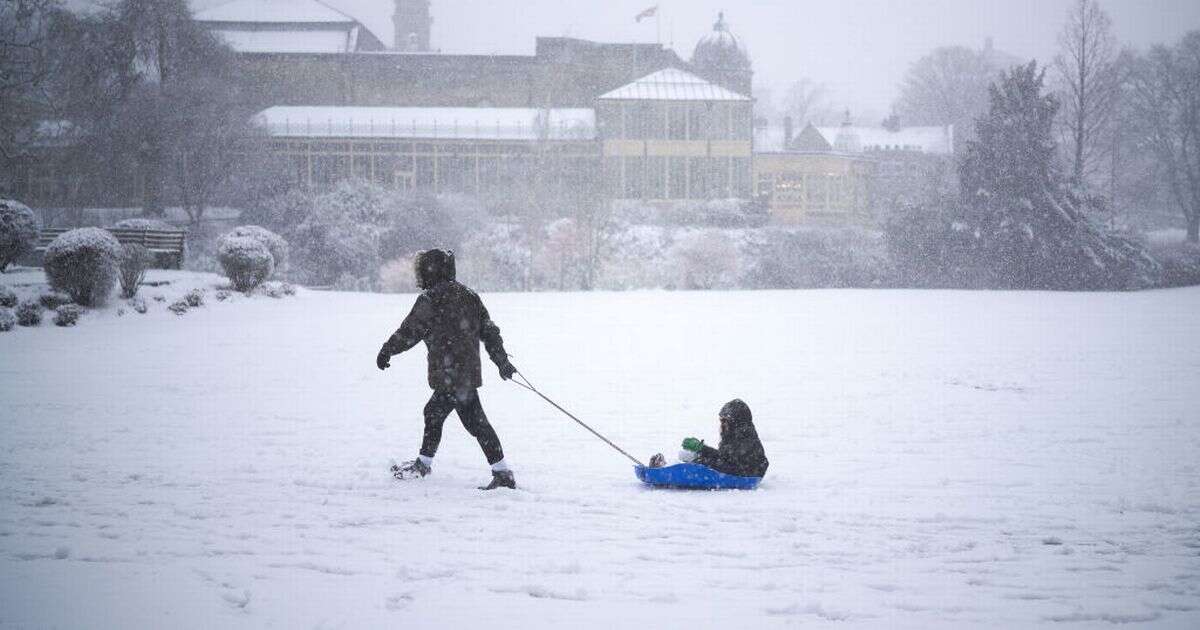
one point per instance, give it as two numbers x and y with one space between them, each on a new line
287 26
611 120
673 135
669 135
846 173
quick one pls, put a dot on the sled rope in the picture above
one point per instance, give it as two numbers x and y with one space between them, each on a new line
524 382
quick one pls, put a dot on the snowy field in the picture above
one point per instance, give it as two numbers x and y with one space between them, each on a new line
938 459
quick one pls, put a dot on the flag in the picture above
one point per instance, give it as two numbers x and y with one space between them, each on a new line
648 13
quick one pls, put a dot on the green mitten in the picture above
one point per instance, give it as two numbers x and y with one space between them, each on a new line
692 444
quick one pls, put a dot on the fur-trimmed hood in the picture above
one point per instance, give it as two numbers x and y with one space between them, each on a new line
433 267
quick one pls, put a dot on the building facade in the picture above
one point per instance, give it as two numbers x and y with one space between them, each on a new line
848 173
672 136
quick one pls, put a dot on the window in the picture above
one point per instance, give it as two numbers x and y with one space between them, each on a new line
741 177
677 178
633 175
699 116
697 177
677 121
740 124
656 182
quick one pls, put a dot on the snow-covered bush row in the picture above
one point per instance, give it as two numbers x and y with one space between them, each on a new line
51 300
84 264
697 213
247 262
67 315
29 313
18 231
139 223
7 319
272 241
135 260
8 298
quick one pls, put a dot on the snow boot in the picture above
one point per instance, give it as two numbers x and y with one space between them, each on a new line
658 461
501 479
410 470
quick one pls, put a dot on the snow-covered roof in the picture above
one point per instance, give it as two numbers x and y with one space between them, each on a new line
272 41
483 123
673 84
935 140
932 140
274 12
287 26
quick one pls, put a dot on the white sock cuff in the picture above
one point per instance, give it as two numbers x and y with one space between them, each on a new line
500 466
428 461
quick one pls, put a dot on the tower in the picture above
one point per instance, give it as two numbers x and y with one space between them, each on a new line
721 58
412 21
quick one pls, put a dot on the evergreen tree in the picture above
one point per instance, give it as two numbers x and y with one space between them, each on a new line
1029 231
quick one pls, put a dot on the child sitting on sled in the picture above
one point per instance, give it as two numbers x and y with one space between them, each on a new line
740 451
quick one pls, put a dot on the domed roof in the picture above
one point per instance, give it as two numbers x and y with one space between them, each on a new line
720 49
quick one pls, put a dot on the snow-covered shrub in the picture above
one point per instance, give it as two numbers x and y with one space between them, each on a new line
18 231
397 276
138 305
67 315
194 298
704 259
135 259
139 223
1180 262
782 258
497 258
223 295
29 313
638 259
179 307
7 319
282 212
51 300
247 262
84 264
8 298
273 242
287 288
328 246
271 290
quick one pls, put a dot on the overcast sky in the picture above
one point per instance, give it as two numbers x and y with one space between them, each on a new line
859 48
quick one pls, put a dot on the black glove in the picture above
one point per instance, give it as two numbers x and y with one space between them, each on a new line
507 370
383 361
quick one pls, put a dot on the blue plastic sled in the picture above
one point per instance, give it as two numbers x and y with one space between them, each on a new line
694 476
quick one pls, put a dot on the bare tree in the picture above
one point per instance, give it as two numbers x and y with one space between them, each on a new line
807 101
1167 101
1089 71
25 66
949 86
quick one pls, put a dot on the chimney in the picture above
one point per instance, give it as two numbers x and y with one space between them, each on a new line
787 132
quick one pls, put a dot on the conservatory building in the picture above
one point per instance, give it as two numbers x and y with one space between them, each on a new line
667 136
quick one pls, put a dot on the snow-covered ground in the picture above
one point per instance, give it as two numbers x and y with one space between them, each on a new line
938 459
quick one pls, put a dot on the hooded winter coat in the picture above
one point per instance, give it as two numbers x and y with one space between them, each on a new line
451 320
740 452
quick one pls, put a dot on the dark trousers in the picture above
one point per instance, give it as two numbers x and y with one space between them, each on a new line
470 412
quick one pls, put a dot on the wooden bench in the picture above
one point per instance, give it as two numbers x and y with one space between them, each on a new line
166 245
